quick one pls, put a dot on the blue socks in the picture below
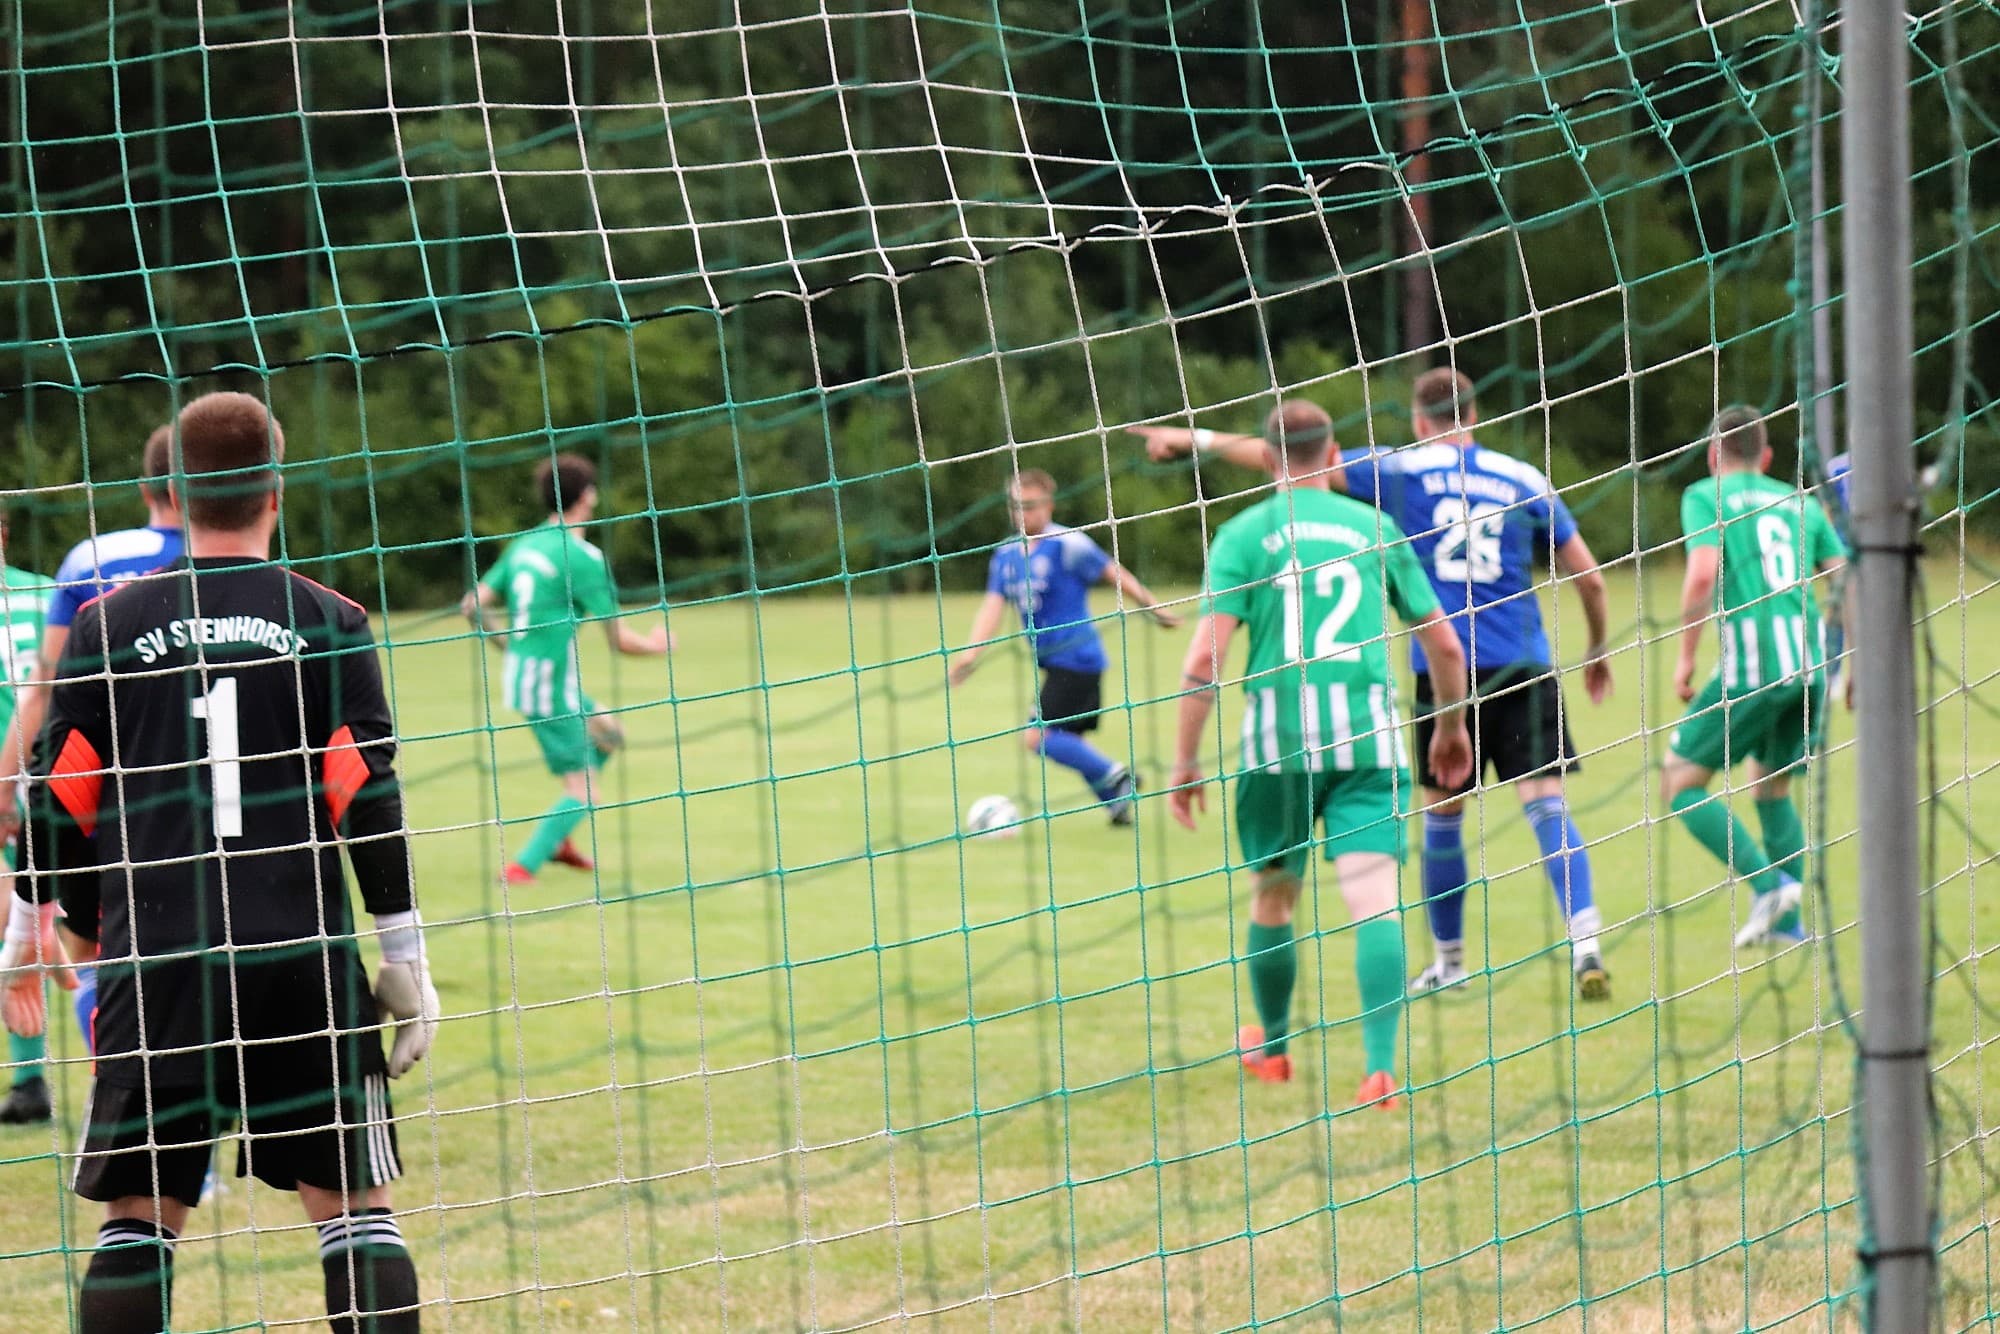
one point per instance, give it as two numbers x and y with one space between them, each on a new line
1568 865
1072 752
1444 882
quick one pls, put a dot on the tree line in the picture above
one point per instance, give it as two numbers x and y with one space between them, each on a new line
809 290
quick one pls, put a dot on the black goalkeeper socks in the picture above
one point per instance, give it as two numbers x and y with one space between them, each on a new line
128 1288
371 1285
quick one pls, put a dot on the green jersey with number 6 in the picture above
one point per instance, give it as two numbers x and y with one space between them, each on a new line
1772 539
1311 575
548 578
24 603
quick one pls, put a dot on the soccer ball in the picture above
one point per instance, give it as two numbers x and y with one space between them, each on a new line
993 817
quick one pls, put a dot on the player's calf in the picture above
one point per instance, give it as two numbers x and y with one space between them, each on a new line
371 1282
128 1288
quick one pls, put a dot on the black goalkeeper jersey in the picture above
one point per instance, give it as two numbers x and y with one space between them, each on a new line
215 731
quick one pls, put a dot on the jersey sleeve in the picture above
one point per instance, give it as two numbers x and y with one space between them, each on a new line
66 785
1083 558
1828 545
1410 589
495 577
358 768
1556 517
1362 470
1699 526
74 587
1232 575
996 575
590 582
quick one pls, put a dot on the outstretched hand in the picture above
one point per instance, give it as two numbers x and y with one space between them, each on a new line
1164 442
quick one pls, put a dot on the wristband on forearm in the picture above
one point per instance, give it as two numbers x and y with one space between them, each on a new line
1203 439
400 935
24 920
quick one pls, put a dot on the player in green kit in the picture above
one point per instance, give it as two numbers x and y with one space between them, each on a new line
1311 574
546 583
1761 541
24 602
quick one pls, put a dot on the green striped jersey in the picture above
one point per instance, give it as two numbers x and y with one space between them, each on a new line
24 604
1312 575
549 579
1772 538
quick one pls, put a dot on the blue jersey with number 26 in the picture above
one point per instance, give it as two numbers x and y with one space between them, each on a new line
1048 580
1477 519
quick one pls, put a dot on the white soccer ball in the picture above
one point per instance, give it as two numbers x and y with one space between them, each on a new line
993 817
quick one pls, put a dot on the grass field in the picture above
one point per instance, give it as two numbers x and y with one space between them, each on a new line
862 1071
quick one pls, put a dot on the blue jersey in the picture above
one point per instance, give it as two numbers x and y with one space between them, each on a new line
1048 580
99 564
1477 519
1836 478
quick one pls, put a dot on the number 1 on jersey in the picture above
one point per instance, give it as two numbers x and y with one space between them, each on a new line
217 708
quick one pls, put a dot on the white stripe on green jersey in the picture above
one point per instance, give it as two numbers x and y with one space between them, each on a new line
550 579
24 606
1311 575
1771 540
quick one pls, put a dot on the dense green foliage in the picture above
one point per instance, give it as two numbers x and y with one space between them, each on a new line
802 331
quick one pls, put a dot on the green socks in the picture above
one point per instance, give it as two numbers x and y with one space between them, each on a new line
1274 967
25 1054
1785 842
560 822
1784 837
1378 968
1716 829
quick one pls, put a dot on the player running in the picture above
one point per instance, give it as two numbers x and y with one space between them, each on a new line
1047 575
1752 537
546 582
1477 520
24 602
214 735
1310 574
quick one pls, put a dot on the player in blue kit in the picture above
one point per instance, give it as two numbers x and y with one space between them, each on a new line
1477 520
93 566
1046 575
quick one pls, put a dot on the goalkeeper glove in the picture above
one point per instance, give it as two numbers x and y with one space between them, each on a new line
404 991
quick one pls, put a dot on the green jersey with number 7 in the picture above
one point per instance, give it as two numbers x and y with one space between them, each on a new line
1311 575
1770 536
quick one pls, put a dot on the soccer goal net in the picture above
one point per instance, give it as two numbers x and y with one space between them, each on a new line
800 976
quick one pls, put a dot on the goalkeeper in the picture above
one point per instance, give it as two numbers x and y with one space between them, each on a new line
243 708
546 581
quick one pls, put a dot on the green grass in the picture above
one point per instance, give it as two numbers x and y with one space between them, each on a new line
864 1070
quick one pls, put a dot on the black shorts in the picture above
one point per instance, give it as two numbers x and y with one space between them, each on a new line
1518 723
314 1111
1070 701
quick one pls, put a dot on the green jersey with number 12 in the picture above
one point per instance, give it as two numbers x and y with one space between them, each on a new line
1772 539
24 603
548 578
1311 575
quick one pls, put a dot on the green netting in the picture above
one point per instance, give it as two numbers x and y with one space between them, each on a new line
809 283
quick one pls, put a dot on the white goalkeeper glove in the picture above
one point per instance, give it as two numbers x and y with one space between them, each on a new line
404 992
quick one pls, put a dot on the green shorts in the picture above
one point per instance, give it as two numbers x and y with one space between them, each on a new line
1778 726
1360 810
565 741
